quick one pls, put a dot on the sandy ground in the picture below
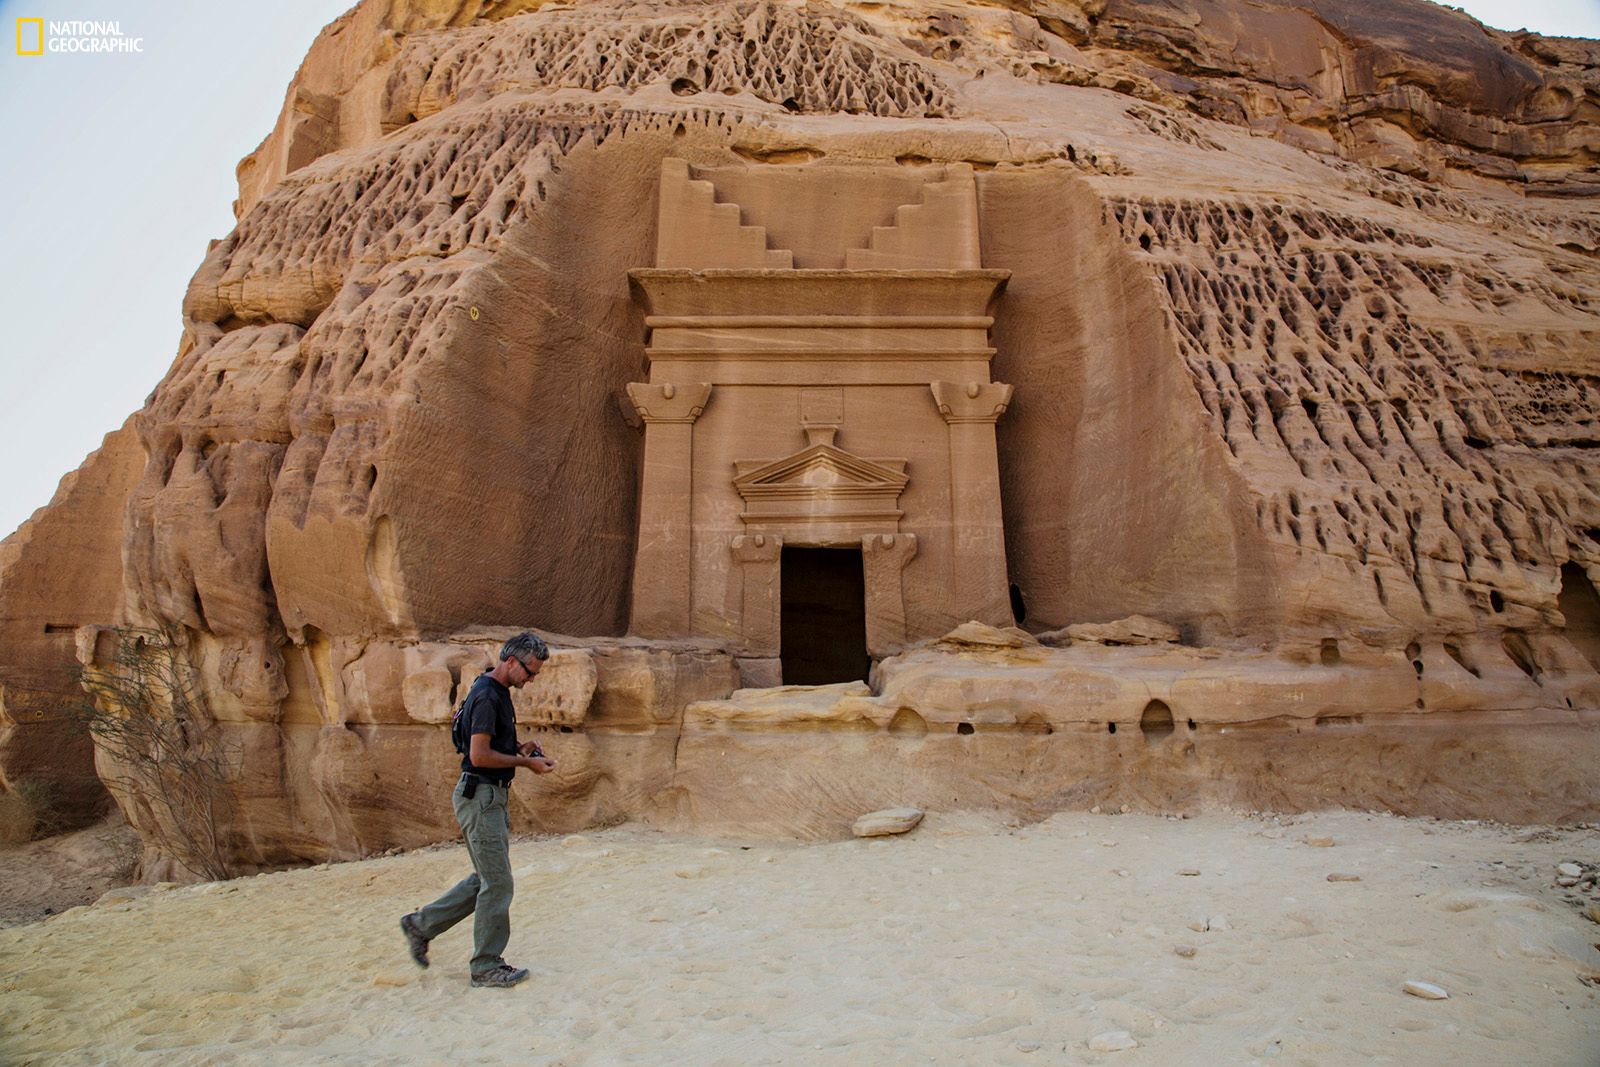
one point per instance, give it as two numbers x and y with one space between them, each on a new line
967 941
42 878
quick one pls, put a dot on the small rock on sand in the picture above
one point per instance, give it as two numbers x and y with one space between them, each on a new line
1338 877
1189 872
886 822
1593 911
1570 870
1426 990
1320 842
1186 951
1112 1041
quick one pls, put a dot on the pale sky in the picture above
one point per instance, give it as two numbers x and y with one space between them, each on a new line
118 169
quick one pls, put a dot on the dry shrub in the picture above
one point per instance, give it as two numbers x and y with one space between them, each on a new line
17 819
161 750
29 810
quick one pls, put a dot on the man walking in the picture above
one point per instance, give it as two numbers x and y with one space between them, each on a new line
480 797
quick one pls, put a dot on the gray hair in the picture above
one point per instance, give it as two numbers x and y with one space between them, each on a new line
524 645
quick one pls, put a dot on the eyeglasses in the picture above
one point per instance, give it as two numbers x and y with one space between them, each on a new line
529 671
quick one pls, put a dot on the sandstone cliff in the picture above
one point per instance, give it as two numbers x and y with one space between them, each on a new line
1302 322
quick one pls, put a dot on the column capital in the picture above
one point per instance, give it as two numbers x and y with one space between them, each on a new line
667 402
899 547
972 401
756 548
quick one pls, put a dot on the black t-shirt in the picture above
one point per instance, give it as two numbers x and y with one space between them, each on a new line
488 710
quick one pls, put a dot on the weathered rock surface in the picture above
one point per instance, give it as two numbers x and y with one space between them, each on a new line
362 767
61 570
1323 401
1162 728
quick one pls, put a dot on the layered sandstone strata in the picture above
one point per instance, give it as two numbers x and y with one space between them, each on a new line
1301 322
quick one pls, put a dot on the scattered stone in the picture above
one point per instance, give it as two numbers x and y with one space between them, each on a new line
1134 630
1029 1046
123 894
1569 870
1426 990
886 822
1338 877
392 980
1112 1041
1319 842
1120 873
1566 882
980 635
1189 872
1593 912
1186 951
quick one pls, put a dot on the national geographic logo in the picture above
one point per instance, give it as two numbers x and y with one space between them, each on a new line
35 37
30 37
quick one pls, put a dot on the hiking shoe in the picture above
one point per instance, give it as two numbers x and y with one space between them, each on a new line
414 940
502 977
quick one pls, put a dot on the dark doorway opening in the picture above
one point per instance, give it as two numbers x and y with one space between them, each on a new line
824 616
1581 606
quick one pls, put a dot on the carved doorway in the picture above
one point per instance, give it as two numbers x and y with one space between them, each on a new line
824 617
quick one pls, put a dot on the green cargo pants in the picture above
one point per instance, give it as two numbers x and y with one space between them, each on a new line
485 894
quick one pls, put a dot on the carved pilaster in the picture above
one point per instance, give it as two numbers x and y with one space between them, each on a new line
883 560
661 567
979 575
759 561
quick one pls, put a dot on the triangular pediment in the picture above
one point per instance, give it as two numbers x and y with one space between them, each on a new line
819 467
